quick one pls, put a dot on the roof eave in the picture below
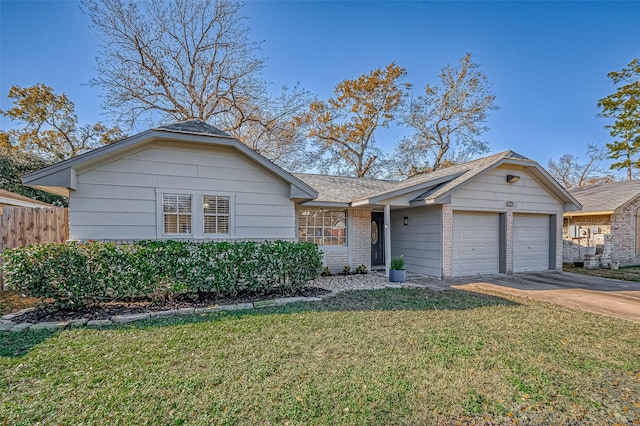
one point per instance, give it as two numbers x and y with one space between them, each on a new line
314 203
588 213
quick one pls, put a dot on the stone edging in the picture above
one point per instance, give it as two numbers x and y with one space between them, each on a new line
8 325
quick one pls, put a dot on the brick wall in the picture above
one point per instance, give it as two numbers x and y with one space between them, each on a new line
572 246
615 238
509 241
358 249
624 235
360 238
336 257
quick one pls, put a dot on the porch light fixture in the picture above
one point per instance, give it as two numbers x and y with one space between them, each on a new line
512 178
406 220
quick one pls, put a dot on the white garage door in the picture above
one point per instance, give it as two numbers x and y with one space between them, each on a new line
530 242
476 247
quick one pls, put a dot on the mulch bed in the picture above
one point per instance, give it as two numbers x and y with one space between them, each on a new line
106 310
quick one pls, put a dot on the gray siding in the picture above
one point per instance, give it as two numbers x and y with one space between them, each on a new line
419 242
491 192
119 200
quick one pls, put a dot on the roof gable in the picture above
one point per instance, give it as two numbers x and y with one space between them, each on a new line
61 177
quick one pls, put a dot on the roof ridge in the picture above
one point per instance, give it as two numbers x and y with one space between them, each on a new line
195 126
345 177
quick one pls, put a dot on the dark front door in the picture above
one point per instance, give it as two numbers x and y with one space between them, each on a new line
377 238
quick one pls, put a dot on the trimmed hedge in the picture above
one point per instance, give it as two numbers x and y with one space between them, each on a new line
79 274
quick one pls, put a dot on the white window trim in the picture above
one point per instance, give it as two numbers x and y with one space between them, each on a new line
162 213
216 215
349 223
197 215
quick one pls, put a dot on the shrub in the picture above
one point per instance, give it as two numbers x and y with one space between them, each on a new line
77 274
362 269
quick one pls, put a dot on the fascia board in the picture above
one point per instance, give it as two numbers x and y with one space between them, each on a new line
379 198
326 204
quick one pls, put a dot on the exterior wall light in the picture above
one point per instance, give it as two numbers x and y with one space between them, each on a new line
406 220
512 178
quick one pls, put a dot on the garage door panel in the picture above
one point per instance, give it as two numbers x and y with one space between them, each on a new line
530 243
476 248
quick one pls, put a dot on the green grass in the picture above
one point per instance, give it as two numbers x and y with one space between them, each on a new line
394 356
629 273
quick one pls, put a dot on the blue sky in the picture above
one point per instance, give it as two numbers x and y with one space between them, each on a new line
547 61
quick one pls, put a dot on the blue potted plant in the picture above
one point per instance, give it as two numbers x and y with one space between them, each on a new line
397 273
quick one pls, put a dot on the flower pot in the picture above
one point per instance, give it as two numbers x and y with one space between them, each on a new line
397 276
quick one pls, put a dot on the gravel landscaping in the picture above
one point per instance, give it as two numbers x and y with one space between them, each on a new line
338 283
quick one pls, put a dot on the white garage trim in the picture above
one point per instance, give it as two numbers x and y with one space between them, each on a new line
476 243
530 242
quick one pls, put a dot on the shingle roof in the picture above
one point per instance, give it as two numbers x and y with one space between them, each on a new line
606 196
194 126
341 189
347 189
479 164
465 172
457 175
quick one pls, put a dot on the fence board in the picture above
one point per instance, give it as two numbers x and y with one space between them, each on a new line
21 226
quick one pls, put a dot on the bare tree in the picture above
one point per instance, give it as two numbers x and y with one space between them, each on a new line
192 59
274 132
447 120
343 127
571 173
184 59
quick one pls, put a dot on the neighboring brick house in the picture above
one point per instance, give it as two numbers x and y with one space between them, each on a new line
609 223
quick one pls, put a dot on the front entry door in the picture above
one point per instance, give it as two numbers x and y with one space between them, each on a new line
377 238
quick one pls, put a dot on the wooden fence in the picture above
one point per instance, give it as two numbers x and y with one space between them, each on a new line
21 226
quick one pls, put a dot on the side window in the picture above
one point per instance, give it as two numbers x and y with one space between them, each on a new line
215 214
176 213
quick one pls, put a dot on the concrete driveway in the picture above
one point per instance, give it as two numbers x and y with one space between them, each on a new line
601 295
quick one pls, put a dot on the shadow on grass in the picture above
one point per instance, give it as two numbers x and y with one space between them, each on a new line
351 301
13 345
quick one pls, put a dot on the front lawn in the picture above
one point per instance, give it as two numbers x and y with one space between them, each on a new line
629 273
393 356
